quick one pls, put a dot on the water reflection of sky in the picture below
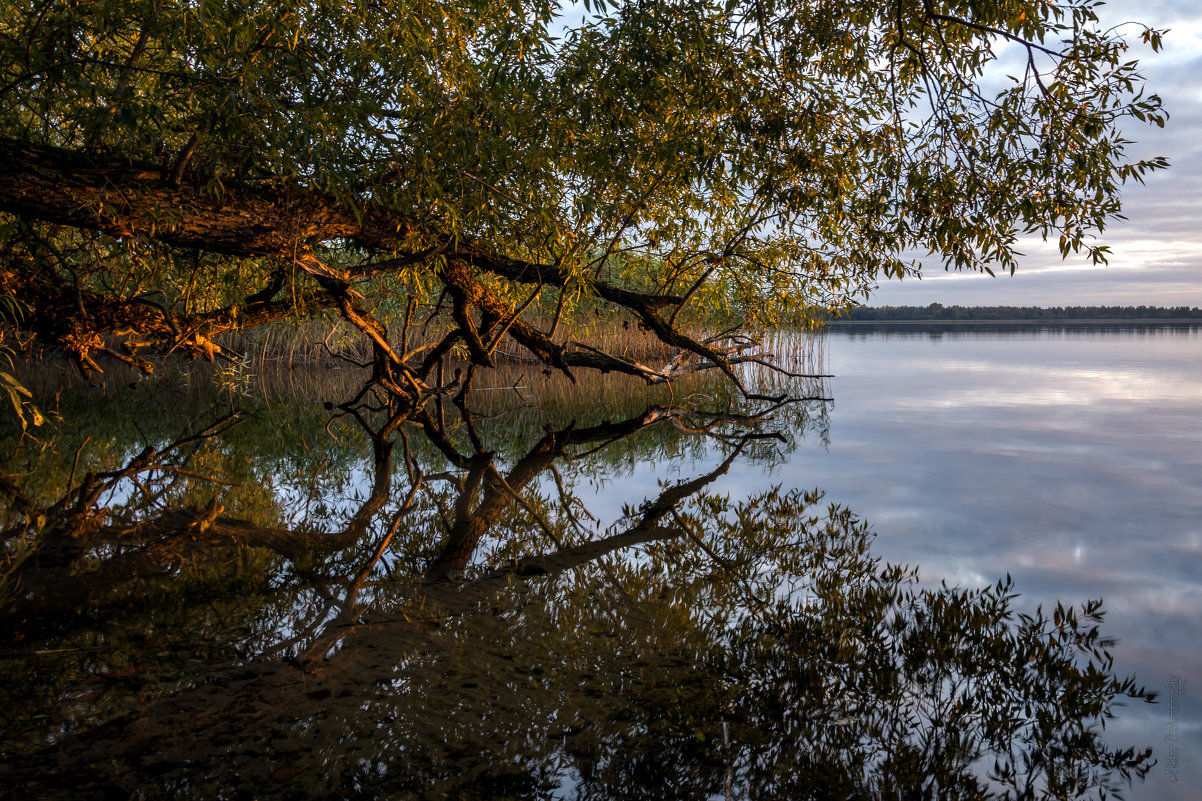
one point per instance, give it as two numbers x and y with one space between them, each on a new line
1071 460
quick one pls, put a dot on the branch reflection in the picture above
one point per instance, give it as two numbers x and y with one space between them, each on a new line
469 630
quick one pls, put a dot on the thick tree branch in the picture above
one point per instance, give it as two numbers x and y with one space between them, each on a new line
131 200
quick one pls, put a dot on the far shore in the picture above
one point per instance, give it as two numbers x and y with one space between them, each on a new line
1047 321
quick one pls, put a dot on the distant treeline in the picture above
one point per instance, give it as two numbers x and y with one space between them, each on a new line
941 313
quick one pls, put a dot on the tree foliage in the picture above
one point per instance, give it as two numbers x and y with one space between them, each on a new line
172 169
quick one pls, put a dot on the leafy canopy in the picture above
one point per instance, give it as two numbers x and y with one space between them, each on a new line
758 158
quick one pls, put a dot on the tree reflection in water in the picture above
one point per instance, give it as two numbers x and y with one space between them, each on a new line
469 631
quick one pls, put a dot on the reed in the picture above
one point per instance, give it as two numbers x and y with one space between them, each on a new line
325 337
317 339
318 360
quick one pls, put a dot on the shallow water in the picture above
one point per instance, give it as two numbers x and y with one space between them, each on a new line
293 606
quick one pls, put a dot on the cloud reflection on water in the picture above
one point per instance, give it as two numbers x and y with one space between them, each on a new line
1072 461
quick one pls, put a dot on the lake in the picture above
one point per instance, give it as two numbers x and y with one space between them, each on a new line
1069 458
603 591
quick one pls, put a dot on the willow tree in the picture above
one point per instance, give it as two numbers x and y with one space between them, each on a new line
172 169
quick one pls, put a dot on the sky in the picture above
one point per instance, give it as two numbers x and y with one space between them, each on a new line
1156 257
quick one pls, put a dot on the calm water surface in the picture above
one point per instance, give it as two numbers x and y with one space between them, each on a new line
1068 458
1071 459
293 607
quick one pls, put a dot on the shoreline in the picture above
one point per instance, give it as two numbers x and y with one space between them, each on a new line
1049 321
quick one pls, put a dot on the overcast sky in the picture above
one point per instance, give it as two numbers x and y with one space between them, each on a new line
1157 253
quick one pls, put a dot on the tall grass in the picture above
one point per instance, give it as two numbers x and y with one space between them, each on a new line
309 340
325 339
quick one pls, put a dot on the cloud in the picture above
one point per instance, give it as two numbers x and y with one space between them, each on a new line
1157 251
1175 285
